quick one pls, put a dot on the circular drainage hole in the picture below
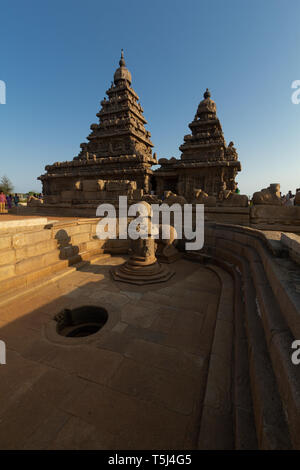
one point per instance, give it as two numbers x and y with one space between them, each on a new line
80 321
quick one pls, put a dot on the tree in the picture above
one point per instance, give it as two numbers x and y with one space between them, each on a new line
6 185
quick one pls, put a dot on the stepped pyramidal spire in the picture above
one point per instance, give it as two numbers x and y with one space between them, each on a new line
206 162
121 128
119 146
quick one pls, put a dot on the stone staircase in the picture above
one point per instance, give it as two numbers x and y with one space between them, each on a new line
262 407
28 257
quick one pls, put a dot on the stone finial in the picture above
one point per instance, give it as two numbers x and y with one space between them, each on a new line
122 60
207 94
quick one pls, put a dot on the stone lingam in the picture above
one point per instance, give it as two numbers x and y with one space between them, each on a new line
142 267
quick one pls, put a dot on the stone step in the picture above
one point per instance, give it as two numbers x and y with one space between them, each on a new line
216 426
13 255
271 425
19 286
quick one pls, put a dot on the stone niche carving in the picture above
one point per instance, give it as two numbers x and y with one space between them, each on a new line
91 185
268 196
123 185
200 197
104 189
231 199
172 198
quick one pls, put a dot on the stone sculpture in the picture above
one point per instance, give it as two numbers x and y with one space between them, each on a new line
200 197
142 267
166 251
268 196
172 198
34 201
232 199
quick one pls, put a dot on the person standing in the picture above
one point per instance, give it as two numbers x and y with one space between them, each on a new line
9 201
289 199
2 202
16 200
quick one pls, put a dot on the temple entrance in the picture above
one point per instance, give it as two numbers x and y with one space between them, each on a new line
170 184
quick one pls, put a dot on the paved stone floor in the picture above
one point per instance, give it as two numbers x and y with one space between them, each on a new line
136 384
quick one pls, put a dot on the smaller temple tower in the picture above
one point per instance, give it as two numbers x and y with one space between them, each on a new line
206 162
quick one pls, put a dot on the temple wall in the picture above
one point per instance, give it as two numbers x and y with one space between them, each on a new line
264 217
254 387
31 254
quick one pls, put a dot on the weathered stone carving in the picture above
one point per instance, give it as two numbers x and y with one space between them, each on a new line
151 199
200 197
142 266
230 198
34 201
268 196
231 152
166 251
172 198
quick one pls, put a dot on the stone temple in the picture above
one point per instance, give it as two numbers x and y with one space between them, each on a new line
117 158
134 344
206 162
118 148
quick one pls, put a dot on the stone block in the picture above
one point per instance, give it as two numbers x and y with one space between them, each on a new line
292 242
5 242
52 199
90 195
94 244
37 262
103 195
93 185
64 232
137 194
116 186
30 238
13 282
80 238
279 215
68 195
27 265
6 271
7 257
29 251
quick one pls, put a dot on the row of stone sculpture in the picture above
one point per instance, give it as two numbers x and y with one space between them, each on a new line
267 196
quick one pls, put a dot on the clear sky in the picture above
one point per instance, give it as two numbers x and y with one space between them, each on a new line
58 58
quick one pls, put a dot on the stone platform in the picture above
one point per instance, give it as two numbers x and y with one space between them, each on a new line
138 383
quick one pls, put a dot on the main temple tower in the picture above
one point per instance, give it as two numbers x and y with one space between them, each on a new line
118 147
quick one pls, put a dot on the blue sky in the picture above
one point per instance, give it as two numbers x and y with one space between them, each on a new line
58 58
